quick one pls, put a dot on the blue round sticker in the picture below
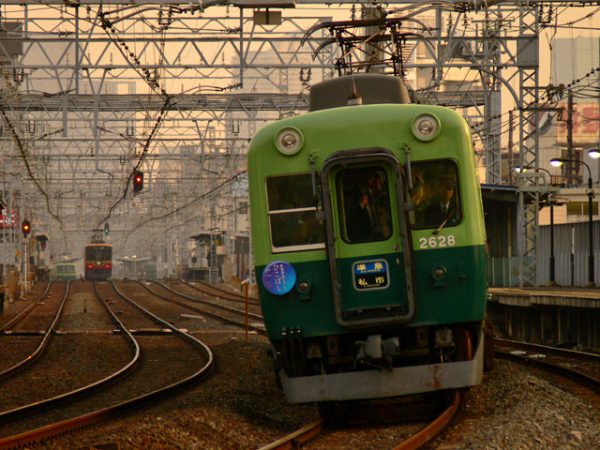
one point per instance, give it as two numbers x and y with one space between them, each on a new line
279 277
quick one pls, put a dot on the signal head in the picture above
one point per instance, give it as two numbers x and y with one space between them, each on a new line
138 181
26 228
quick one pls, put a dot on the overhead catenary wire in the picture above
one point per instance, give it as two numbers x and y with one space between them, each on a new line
209 193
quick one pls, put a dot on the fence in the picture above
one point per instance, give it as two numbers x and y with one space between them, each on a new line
571 249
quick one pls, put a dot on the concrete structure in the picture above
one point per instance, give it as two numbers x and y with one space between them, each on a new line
550 316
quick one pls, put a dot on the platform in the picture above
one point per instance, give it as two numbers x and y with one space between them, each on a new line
561 316
569 297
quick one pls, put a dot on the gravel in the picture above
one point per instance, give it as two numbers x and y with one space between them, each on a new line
515 409
239 407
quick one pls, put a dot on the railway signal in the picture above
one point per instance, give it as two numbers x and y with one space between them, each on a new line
138 181
26 228
43 240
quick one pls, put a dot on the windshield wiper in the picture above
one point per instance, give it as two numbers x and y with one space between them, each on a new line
442 225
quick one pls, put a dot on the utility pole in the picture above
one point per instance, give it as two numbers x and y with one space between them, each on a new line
510 147
570 155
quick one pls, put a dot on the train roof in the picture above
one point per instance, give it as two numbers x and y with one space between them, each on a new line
370 88
98 244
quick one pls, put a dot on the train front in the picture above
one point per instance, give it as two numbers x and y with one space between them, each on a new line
368 237
98 262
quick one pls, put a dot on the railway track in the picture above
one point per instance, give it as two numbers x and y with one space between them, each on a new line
26 324
152 330
100 401
583 368
218 311
10 324
314 431
217 292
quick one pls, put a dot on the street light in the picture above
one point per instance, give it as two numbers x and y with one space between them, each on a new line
551 201
557 162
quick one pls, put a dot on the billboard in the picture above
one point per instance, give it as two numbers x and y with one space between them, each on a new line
586 123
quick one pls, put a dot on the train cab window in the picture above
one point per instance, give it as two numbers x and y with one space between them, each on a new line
365 204
292 214
435 195
98 252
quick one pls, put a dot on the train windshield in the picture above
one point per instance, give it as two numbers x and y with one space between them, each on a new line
365 210
98 253
435 194
292 214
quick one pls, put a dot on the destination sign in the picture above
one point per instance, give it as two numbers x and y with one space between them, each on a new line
370 274
279 277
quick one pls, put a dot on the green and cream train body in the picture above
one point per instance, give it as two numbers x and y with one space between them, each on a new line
369 245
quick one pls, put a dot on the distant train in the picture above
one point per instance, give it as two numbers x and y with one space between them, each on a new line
98 261
369 244
65 271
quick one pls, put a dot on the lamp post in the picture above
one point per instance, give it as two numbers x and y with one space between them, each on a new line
551 201
557 162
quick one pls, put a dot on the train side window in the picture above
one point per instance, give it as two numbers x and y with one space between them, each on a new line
292 214
364 204
435 194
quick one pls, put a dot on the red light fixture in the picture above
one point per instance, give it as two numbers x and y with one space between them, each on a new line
138 181
26 228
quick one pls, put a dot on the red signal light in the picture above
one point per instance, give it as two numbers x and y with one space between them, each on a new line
90 266
138 181
26 228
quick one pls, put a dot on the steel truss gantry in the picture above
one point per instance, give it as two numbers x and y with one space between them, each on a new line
83 88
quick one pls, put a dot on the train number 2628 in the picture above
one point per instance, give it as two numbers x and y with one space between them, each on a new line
437 241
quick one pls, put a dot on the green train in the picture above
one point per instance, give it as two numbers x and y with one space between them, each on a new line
369 244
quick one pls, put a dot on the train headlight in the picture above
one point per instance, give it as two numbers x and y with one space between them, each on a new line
426 127
289 141
304 287
438 274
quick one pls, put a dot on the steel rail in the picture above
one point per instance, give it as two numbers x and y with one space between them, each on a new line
34 356
428 433
417 440
59 428
43 405
572 374
20 316
216 305
297 438
550 350
234 296
185 336
205 312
